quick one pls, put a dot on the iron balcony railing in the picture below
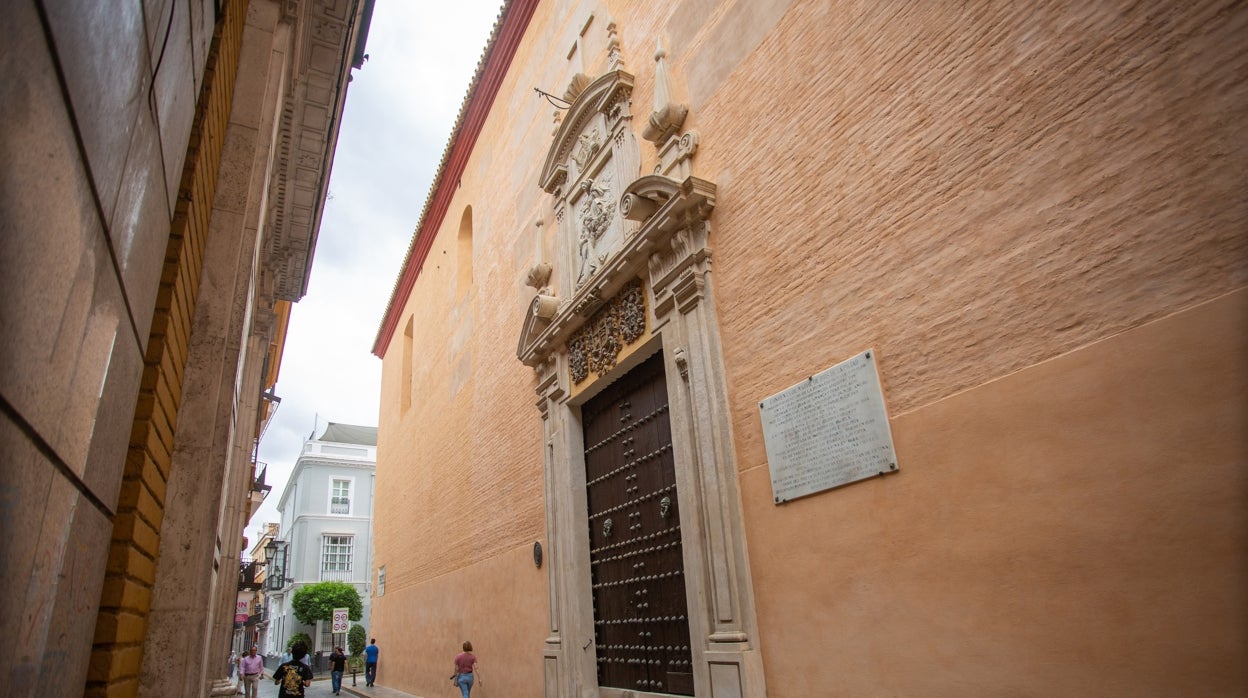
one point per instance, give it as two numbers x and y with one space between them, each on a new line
247 573
337 576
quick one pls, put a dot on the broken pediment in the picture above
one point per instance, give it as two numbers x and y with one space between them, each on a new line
593 156
615 225
602 103
671 236
541 311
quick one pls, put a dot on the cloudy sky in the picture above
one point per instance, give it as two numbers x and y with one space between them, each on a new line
400 110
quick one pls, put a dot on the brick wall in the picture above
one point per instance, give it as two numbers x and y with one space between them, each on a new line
976 188
1006 201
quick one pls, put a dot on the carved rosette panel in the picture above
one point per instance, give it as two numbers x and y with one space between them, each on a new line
595 347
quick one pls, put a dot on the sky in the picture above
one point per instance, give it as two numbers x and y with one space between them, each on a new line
400 109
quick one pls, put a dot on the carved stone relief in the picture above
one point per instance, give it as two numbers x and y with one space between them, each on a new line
596 346
597 213
538 275
587 147
594 151
635 256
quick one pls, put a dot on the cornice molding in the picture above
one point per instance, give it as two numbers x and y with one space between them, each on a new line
326 34
306 459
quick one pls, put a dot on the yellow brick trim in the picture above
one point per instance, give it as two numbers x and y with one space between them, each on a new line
126 560
136 497
129 526
121 628
124 688
124 593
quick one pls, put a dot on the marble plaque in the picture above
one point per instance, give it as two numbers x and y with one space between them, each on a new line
829 430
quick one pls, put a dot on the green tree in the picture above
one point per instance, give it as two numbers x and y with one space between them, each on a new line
355 639
299 637
318 601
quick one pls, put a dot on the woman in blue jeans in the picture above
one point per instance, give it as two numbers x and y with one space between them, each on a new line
466 670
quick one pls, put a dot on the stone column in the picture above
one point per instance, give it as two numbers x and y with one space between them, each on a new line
177 651
235 500
727 657
197 579
566 666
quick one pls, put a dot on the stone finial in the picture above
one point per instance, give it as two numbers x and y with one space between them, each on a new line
538 275
668 116
615 61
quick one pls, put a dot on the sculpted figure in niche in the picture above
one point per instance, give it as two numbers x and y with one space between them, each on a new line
595 219
587 147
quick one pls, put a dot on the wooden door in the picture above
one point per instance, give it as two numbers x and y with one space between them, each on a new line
640 616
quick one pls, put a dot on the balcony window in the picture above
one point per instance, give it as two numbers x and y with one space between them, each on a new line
340 497
336 558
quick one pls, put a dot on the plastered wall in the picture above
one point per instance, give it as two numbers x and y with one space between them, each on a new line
1076 528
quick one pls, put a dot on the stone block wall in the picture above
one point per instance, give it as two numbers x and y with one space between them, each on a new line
99 104
127 591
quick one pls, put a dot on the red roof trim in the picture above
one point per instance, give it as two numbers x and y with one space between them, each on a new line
490 78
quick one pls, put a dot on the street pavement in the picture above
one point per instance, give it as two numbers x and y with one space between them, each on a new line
320 687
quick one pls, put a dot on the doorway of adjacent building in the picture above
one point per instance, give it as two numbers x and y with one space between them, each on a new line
641 623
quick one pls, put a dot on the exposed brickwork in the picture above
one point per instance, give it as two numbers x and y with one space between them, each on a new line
127 591
940 165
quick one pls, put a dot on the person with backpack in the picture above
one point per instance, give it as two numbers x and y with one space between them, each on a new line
293 677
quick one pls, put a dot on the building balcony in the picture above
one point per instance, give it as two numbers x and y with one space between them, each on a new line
338 576
247 575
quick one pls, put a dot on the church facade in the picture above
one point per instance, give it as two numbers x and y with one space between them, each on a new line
1017 232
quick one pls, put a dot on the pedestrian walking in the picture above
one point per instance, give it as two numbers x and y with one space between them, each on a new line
466 671
337 665
252 668
370 662
293 677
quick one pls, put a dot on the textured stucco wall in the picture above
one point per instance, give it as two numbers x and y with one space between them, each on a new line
496 604
1034 213
974 190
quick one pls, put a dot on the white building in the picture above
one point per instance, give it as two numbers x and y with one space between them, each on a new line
326 515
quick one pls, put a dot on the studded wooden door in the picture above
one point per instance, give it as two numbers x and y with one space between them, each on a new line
640 617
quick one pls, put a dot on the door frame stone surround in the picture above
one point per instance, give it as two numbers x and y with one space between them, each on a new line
666 245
